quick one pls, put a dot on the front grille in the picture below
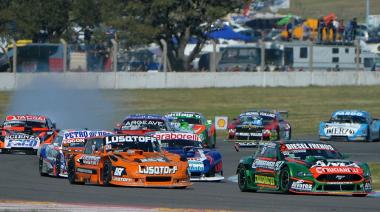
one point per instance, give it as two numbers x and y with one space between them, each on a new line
196 174
344 187
339 177
252 129
338 138
158 179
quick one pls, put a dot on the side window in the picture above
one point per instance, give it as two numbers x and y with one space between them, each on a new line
267 152
58 141
49 123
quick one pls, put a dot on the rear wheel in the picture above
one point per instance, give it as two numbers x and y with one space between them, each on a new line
369 137
40 166
107 172
285 180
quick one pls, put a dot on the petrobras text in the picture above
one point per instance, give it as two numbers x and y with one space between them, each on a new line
85 134
157 170
129 138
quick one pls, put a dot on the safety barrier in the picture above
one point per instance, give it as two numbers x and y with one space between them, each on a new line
142 80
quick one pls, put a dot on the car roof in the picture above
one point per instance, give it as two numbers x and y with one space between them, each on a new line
28 117
144 116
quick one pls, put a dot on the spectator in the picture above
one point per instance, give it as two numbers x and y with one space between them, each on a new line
329 28
348 32
335 28
100 56
321 27
341 29
87 35
354 24
289 29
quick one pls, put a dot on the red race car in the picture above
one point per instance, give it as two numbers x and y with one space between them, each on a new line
26 133
259 125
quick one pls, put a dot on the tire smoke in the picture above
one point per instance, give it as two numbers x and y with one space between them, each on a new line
66 102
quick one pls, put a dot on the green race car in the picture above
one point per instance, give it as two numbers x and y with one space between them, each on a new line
303 167
196 123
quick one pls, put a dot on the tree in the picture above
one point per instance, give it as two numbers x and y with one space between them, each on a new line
85 13
30 16
174 21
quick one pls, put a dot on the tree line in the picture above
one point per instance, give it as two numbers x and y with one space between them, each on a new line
137 21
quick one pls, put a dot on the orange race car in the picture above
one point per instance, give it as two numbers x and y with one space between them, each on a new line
128 160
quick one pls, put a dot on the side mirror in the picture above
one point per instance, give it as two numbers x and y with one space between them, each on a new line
209 122
118 125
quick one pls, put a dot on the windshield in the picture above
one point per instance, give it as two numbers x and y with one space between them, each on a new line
256 118
144 124
349 119
303 150
33 124
189 120
179 143
125 146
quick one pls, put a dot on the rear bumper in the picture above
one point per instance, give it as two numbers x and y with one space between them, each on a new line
343 138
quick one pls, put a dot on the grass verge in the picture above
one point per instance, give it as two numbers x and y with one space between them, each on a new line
375 171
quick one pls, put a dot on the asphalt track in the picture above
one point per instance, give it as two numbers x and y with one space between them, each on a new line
20 180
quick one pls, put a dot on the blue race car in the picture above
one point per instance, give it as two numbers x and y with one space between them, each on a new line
350 125
52 157
204 164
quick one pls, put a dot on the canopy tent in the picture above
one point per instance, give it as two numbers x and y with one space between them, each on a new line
228 33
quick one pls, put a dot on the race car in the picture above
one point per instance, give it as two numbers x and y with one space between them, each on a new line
53 157
139 124
350 125
25 133
258 125
128 160
204 164
304 167
194 122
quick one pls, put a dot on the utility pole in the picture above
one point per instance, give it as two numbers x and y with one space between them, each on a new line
367 11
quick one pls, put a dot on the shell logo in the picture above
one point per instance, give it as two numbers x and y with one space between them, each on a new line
221 123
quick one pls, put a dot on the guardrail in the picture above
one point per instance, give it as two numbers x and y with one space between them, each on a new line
143 80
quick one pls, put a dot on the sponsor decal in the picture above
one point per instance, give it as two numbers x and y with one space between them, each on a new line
157 170
129 138
21 140
348 113
24 118
20 136
344 131
249 134
73 140
153 160
130 123
89 160
300 185
221 122
85 134
268 114
175 136
260 179
122 179
265 164
306 146
321 170
86 171
184 114
196 166
321 163
118 171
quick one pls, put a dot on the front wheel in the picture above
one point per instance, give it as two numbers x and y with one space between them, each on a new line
285 180
71 175
242 179
107 172
57 165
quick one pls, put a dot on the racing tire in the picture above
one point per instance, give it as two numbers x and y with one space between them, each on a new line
285 181
359 195
107 172
57 165
369 137
71 175
242 179
40 167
